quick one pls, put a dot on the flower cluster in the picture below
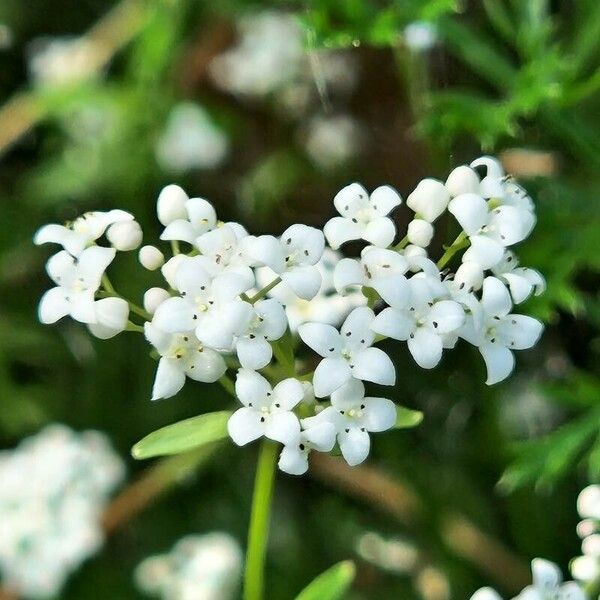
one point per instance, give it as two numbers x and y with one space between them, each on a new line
231 300
50 518
586 568
199 567
547 585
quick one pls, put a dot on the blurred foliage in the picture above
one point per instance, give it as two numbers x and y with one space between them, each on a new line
502 74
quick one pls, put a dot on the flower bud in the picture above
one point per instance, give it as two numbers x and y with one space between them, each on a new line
151 258
125 235
154 297
469 276
169 269
585 568
170 205
420 233
591 545
111 317
588 502
463 180
413 254
429 199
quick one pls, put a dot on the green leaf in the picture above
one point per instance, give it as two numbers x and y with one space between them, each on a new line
330 585
184 435
407 418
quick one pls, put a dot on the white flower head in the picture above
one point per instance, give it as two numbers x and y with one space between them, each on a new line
347 353
429 199
294 456
354 417
521 281
424 321
363 216
293 257
200 217
82 232
77 280
182 355
497 332
267 411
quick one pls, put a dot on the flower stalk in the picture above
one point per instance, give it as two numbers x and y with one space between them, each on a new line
459 243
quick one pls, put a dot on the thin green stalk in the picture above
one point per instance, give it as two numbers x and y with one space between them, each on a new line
109 290
458 244
402 243
175 247
133 327
227 384
262 293
258 533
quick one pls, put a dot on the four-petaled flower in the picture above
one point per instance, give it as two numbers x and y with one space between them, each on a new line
347 353
267 410
294 457
363 216
201 217
521 281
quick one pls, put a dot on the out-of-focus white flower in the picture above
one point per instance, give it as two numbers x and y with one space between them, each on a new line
151 258
171 204
332 141
54 488
126 235
199 567
191 140
269 54
347 353
588 502
363 216
420 36
6 37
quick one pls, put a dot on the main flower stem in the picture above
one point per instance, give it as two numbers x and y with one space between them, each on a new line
262 293
458 244
258 533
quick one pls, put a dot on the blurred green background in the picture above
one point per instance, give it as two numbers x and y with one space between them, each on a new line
407 89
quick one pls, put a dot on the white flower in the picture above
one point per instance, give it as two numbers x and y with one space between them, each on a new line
154 297
182 354
363 216
111 317
429 199
200 218
77 280
588 502
210 307
347 354
267 411
424 320
420 36
353 417
496 331
490 228
420 232
151 258
267 324
82 232
462 180
521 281
293 257
294 456
170 205
125 235
378 268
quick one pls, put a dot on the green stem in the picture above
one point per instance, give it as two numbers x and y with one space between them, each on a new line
108 286
458 244
133 327
227 384
109 290
401 244
175 247
262 293
259 522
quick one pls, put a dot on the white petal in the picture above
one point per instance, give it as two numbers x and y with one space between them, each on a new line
266 250
349 395
330 374
192 277
393 323
425 347
321 436
429 199
484 250
495 298
546 575
283 427
70 240
322 338
180 230
462 180
340 230
446 316
486 594
384 199
381 232
53 306
348 272
355 445
356 332
274 321
228 286
244 426
305 281
170 268
288 393
205 365
201 213
571 591
379 414
111 317
373 364
506 225
350 199
216 241
252 388
306 242
471 211
62 269
394 290
292 460
82 307
92 263
175 315
520 288
169 379
519 332
160 339
170 205
254 353
218 327
499 361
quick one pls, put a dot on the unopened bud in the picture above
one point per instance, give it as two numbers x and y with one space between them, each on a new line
111 317
151 258
170 205
420 233
429 199
125 235
463 180
154 297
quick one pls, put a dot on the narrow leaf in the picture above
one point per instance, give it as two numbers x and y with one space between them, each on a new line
407 418
330 585
183 436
